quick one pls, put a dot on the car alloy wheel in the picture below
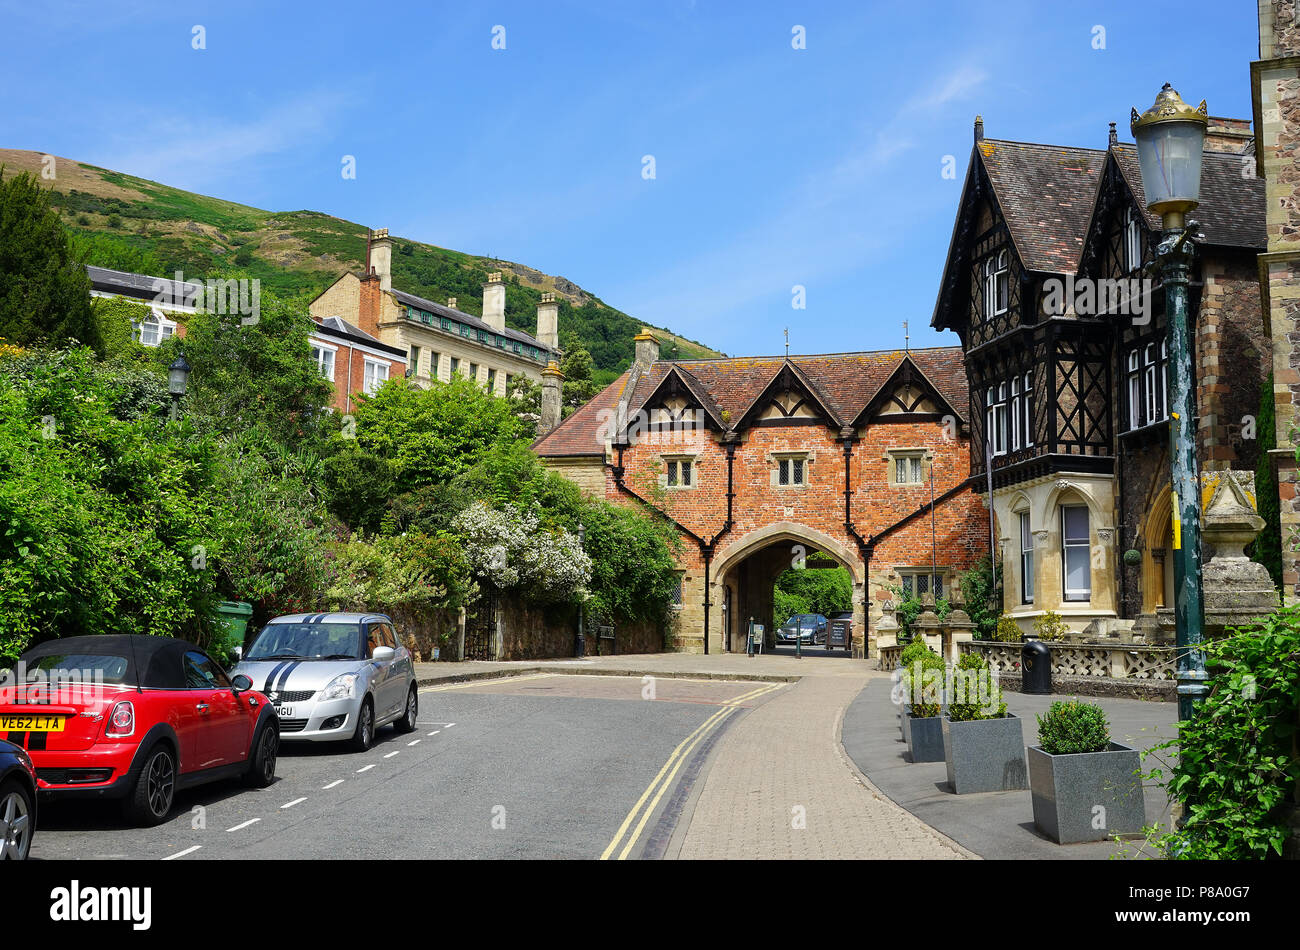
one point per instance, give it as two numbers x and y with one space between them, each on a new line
162 783
15 826
269 747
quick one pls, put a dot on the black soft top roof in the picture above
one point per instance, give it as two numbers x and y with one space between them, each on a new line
158 661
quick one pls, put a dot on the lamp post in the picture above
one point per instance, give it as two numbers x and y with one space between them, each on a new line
178 375
1170 137
580 648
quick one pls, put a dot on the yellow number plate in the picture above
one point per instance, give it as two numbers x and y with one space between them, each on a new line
32 723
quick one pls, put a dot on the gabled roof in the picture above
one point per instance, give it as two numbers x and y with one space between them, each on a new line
1233 206
144 287
694 387
1045 195
844 382
786 374
340 329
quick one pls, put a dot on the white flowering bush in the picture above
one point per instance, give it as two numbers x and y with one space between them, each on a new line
510 550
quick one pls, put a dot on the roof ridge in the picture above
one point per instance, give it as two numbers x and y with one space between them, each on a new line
811 356
1071 148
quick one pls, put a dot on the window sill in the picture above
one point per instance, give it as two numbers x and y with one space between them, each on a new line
1147 429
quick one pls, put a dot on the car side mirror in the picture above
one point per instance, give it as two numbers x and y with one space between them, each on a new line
241 683
383 653
237 653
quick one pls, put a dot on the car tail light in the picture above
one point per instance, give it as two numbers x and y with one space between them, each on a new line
121 721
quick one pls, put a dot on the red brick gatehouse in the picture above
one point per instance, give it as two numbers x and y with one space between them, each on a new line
761 461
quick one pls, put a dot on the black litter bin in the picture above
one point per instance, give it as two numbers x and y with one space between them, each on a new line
1036 668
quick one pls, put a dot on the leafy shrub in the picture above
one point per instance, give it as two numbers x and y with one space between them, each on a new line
1237 762
1069 727
913 652
973 682
924 681
981 597
1050 626
1006 631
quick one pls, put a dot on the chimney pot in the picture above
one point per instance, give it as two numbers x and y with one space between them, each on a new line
451 302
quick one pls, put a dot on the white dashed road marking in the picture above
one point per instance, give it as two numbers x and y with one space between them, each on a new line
181 854
332 784
435 732
391 754
366 768
241 827
413 742
296 801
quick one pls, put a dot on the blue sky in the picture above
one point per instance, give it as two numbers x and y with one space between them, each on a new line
774 167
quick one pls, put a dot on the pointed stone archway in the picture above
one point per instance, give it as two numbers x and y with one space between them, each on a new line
745 571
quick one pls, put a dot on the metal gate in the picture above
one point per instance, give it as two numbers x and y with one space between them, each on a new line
481 629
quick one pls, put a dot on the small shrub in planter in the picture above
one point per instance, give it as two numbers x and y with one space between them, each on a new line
1007 630
924 682
1084 786
984 747
1050 626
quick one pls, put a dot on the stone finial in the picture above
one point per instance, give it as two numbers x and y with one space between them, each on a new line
979 128
1113 138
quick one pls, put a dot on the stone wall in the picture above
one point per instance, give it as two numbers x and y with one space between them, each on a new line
537 633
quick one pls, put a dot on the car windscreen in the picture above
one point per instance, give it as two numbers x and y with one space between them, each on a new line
76 668
282 641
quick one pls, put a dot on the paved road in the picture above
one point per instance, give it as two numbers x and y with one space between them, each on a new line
540 766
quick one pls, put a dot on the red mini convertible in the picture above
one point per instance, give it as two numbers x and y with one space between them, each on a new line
135 718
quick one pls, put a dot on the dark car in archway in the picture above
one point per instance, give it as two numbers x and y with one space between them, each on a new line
805 628
135 718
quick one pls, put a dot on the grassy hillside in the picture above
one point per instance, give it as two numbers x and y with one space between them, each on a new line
132 224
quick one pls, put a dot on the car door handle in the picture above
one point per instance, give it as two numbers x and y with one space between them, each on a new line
202 707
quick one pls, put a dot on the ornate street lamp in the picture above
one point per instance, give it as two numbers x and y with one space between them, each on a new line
1170 137
178 375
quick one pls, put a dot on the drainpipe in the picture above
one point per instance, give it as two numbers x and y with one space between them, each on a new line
706 547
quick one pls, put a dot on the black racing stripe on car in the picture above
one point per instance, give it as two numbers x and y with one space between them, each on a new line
17 738
37 741
284 677
270 677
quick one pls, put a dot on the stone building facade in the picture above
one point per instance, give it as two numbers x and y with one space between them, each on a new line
1064 343
761 462
1275 89
438 339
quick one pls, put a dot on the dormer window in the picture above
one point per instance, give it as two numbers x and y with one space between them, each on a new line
1132 240
997 284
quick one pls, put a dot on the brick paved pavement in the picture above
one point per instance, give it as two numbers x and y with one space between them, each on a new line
787 753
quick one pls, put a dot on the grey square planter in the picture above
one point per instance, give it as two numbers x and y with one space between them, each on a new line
924 738
1074 793
985 755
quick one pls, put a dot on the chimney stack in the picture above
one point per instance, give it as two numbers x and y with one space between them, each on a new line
552 401
647 347
494 302
381 258
548 321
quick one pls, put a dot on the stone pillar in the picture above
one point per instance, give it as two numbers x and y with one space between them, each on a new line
927 626
647 347
494 302
552 401
548 321
886 629
961 629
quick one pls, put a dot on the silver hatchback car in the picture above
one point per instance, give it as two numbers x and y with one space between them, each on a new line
334 677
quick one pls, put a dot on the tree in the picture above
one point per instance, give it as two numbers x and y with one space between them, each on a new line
405 440
253 370
44 290
579 386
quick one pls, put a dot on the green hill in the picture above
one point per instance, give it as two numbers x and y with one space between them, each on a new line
132 224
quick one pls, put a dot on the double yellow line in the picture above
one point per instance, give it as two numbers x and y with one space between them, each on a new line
646 805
